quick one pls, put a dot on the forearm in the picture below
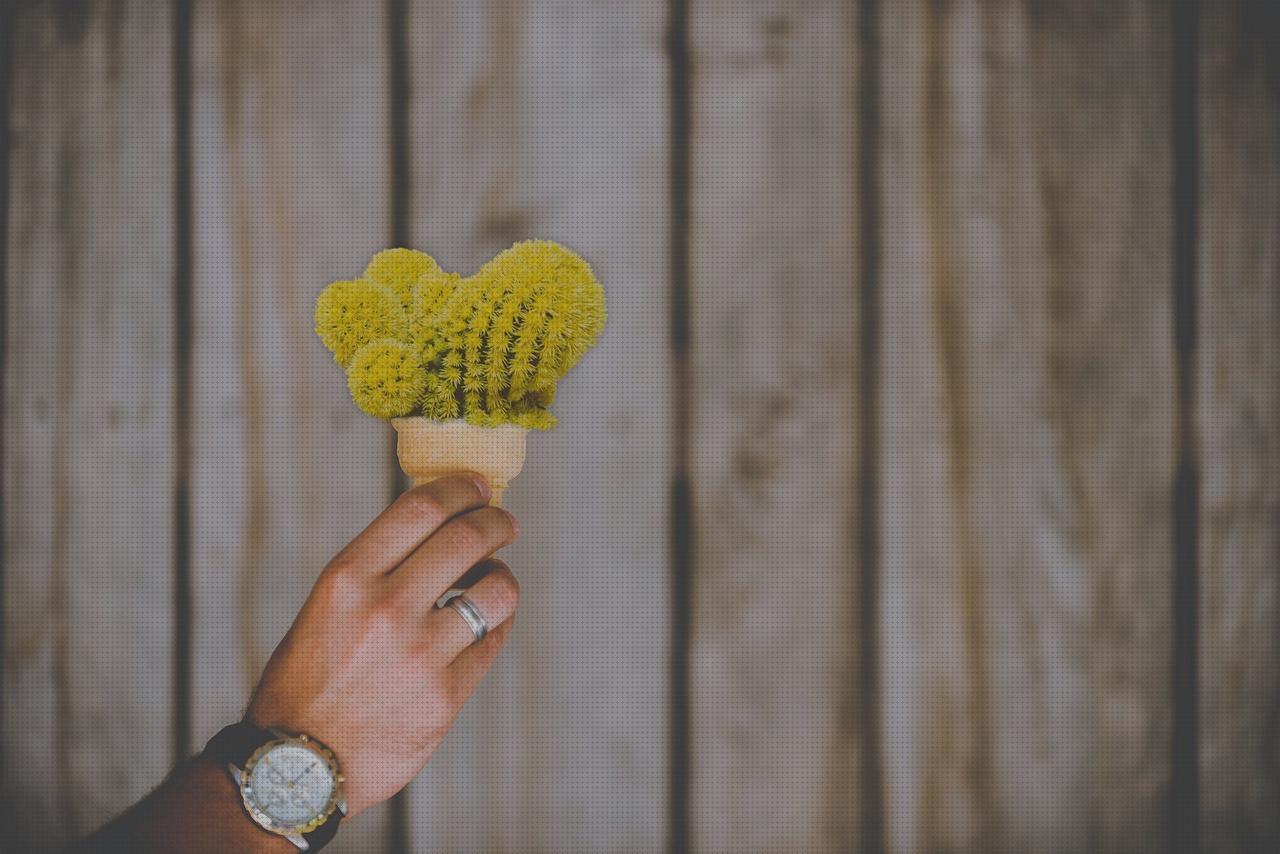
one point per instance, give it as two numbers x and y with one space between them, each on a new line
197 809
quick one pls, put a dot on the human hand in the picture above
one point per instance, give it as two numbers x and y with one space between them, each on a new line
371 667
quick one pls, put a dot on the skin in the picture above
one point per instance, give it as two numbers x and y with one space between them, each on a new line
371 668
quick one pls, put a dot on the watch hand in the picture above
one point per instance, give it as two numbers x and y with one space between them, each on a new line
301 802
303 774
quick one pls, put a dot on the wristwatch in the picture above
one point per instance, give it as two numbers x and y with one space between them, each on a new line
290 784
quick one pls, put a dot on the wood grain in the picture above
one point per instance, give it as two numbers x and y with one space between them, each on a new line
1026 447
1028 404
87 416
774 358
1239 424
291 185
548 120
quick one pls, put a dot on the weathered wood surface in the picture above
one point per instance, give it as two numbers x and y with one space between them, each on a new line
1239 426
549 120
291 185
1028 405
1026 394
89 385
774 436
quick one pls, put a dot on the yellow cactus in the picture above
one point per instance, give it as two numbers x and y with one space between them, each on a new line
386 378
488 348
562 306
429 296
439 401
518 325
402 270
350 314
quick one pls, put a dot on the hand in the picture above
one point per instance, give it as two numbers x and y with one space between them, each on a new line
371 667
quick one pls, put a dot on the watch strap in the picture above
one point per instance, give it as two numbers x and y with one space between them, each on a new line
324 834
234 744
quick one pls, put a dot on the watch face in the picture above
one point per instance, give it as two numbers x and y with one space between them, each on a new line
289 784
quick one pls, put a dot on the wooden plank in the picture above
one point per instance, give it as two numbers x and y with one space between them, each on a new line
774 438
549 120
291 181
88 462
1028 410
1239 424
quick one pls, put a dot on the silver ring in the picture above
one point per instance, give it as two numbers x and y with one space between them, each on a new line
470 615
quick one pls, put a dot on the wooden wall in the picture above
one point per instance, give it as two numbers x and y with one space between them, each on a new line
923 493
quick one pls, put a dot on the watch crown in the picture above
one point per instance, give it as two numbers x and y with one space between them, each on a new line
302 737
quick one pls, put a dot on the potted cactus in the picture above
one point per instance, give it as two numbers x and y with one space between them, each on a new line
462 367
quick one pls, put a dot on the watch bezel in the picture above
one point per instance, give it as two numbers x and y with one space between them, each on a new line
267 822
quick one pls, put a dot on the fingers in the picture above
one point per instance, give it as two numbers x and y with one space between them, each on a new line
474 662
495 596
410 519
462 542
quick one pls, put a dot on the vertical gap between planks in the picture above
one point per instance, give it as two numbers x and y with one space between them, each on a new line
400 173
681 531
397 19
8 17
1184 799
401 176
183 342
867 589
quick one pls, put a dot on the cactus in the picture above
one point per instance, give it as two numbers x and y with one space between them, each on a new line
402 270
350 314
417 340
386 378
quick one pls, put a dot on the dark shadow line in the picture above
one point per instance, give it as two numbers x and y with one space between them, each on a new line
867 606
183 344
401 176
398 114
8 18
681 544
1184 795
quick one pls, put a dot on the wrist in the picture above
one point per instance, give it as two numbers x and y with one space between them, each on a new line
224 796
199 810
289 784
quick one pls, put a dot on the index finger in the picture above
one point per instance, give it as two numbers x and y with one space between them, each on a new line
408 521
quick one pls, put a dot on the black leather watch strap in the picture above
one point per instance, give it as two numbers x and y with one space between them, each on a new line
234 744
323 835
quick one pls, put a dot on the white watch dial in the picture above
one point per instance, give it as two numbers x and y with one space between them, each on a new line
290 784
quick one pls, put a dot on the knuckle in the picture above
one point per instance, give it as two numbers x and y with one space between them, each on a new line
388 618
339 586
461 484
423 652
497 523
425 501
465 532
381 622
478 531
504 592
